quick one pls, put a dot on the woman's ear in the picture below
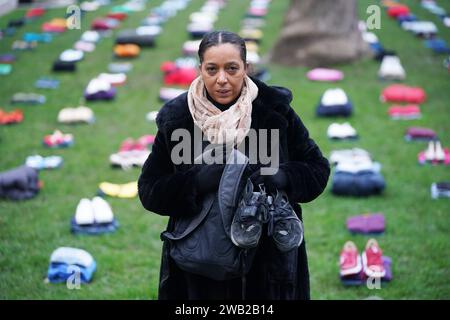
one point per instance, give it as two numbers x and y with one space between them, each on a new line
200 67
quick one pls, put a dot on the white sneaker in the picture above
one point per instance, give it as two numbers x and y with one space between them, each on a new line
439 154
71 55
148 30
333 97
102 211
430 153
84 114
191 46
97 85
391 69
90 36
341 131
113 78
84 213
74 115
370 37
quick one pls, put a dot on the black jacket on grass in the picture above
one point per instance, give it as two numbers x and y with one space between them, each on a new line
168 189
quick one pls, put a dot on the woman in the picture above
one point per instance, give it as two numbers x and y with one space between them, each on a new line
225 99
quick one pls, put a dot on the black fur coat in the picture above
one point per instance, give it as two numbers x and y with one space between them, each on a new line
169 189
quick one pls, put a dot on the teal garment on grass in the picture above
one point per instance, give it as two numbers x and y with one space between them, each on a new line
5 69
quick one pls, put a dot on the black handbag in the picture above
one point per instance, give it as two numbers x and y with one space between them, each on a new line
202 245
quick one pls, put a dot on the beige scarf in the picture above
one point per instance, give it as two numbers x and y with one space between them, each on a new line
227 127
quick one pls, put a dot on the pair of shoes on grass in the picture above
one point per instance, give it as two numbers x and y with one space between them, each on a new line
79 114
142 143
28 98
127 190
58 140
95 211
129 159
370 261
39 162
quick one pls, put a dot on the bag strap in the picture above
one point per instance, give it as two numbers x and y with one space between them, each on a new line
229 187
194 223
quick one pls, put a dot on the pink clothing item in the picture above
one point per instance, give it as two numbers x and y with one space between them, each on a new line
327 75
411 111
366 223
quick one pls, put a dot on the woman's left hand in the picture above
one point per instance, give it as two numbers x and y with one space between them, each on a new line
277 181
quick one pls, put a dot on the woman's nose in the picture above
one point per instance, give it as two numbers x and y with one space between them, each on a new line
222 78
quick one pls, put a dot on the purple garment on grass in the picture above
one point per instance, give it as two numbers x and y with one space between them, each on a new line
7 58
366 223
419 133
101 95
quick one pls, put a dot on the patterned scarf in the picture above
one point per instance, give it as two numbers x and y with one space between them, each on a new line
228 127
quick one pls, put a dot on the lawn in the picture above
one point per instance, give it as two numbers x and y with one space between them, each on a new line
417 235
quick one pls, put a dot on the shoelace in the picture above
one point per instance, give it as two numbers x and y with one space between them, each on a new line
262 210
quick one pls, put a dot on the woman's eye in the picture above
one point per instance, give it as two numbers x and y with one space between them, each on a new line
211 69
232 69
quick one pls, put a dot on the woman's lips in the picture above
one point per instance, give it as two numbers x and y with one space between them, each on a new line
223 92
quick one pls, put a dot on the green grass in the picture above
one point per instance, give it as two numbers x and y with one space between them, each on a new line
417 235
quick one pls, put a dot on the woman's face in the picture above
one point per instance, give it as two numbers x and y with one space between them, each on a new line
223 72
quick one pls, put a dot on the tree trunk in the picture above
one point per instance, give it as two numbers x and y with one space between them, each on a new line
320 33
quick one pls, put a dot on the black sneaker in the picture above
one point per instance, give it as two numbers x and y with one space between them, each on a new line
252 212
287 230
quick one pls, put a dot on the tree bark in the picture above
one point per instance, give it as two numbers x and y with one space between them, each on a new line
320 33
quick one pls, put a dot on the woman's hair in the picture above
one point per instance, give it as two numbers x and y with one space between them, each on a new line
216 38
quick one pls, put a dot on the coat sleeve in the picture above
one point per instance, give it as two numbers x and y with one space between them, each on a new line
307 169
162 190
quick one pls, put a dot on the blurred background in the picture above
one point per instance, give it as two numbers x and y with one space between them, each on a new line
81 83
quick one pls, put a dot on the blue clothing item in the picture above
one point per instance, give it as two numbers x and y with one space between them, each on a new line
39 37
93 229
437 45
46 83
406 18
376 47
344 110
360 184
60 272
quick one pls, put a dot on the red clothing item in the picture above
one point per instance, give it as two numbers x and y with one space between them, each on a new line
402 93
